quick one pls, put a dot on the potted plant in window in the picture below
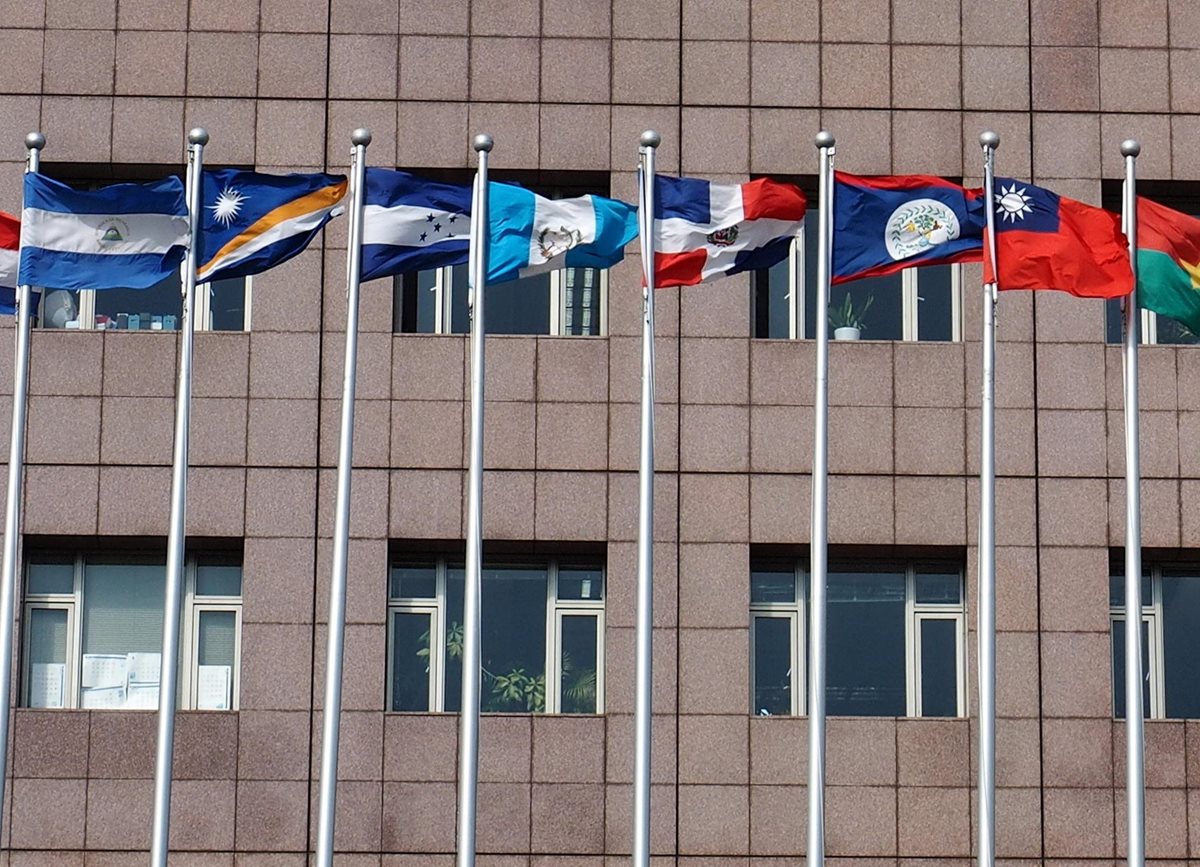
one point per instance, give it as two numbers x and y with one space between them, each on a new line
846 320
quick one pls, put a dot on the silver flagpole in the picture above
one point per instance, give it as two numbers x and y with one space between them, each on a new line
34 142
332 707
989 141
818 543
468 748
177 531
1135 756
644 691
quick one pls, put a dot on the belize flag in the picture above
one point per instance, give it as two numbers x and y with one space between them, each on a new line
129 236
882 225
705 231
253 221
411 224
1047 241
529 234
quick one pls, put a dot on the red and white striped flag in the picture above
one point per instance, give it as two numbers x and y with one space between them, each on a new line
10 246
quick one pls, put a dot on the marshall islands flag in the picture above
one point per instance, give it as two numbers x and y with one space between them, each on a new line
886 224
128 236
252 222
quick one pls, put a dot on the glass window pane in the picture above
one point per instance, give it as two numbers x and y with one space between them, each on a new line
771 293
414 306
581 301
576 582
216 646
1172 332
460 314
218 579
579 663
452 698
51 578
519 306
873 305
772 666
59 309
414 582
939 667
227 304
410 661
1181 644
939 587
1113 330
773 585
1118 651
122 635
47 657
935 306
866 645
1116 588
158 308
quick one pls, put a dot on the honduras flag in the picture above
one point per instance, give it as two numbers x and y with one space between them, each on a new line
128 236
529 234
253 221
411 224
886 224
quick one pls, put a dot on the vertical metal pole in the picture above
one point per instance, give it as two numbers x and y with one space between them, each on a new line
1135 756
818 542
989 141
34 142
177 531
332 707
468 735
644 688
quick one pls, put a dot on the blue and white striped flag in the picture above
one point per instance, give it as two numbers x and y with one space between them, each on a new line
125 236
411 224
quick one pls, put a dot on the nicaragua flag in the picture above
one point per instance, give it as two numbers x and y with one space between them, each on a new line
882 225
253 221
411 224
529 234
129 236
705 230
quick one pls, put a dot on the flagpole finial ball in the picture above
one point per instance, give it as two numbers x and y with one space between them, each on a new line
825 139
650 139
361 136
35 141
483 143
198 135
1130 147
989 139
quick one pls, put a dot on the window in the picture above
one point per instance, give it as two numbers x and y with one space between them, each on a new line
93 634
1170 641
1156 329
543 637
915 304
895 640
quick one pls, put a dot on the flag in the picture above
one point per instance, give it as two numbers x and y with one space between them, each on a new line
1168 259
886 224
529 234
253 221
128 236
10 243
1046 241
704 231
411 224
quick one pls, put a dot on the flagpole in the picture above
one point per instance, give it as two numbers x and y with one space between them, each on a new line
34 142
818 540
644 678
989 141
335 646
1135 756
468 750
177 532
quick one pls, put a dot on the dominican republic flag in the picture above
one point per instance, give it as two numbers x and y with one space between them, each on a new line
882 225
705 231
1047 241
129 236
411 224
529 234
10 257
253 221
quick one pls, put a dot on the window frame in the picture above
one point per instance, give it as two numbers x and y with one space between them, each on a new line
192 606
87 310
1152 616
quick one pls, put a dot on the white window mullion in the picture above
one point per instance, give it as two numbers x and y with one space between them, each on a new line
558 302
795 296
956 303
912 638
908 283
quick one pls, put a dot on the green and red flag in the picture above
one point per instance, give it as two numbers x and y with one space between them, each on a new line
1168 260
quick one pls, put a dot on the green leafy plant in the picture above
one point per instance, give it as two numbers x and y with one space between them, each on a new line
846 315
513 691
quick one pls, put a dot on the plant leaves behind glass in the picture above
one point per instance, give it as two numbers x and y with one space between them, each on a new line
845 315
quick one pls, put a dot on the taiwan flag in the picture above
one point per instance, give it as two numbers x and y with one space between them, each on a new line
882 225
1046 241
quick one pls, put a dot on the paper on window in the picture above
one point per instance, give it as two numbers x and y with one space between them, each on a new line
47 681
104 696
142 696
144 667
213 684
103 670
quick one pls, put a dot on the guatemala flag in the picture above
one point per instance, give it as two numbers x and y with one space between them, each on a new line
253 221
129 236
882 225
705 230
411 224
529 234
